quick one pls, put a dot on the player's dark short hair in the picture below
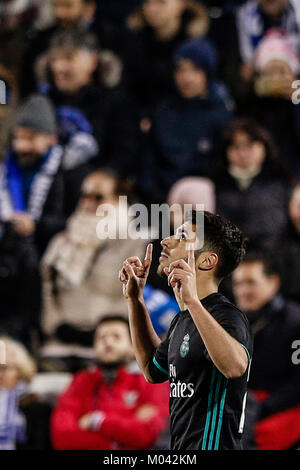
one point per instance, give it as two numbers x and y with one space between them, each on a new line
224 238
113 318
265 258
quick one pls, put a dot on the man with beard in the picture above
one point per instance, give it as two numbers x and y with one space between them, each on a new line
275 373
111 406
31 187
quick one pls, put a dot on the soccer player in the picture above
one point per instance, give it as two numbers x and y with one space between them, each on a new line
207 352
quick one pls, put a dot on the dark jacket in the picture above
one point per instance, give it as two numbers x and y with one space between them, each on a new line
282 119
286 251
54 214
48 209
274 383
184 139
275 327
20 286
109 117
149 61
260 210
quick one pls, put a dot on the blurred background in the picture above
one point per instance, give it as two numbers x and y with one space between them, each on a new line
177 101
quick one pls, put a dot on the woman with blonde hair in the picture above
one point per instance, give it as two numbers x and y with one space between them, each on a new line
17 369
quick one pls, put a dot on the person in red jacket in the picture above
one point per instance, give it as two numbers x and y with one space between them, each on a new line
111 406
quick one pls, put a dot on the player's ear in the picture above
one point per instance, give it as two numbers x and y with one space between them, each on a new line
207 261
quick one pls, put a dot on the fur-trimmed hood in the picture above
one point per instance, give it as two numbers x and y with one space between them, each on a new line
196 26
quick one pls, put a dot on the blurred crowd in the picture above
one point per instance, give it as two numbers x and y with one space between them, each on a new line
161 101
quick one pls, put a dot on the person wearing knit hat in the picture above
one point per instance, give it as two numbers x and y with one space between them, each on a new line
29 176
37 113
195 65
201 52
277 68
277 64
188 123
35 129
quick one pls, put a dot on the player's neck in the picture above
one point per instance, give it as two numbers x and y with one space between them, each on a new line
206 287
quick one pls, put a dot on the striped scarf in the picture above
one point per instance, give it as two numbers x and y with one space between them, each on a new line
11 185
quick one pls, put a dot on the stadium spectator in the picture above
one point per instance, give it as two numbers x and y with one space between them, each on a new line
190 190
18 370
252 183
68 15
274 376
31 186
286 249
97 123
277 66
253 20
186 126
80 273
158 27
256 17
111 406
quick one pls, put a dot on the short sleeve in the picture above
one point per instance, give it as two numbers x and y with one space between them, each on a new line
158 367
236 324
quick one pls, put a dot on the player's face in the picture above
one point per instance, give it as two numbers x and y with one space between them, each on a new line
176 246
294 208
253 288
112 343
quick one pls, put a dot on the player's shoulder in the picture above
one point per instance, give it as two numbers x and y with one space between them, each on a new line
223 306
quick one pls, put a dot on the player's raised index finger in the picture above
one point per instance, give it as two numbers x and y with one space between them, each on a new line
148 255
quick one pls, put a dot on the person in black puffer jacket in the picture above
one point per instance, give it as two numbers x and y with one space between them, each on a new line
252 183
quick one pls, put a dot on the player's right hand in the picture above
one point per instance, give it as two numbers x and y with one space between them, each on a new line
134 274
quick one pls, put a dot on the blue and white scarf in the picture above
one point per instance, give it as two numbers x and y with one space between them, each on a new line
12 196
76 134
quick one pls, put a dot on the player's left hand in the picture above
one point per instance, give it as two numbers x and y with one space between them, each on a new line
182 277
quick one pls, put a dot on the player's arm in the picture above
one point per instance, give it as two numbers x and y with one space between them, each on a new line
133 276
226 352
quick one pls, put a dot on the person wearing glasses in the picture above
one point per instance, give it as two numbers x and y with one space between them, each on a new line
80 276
